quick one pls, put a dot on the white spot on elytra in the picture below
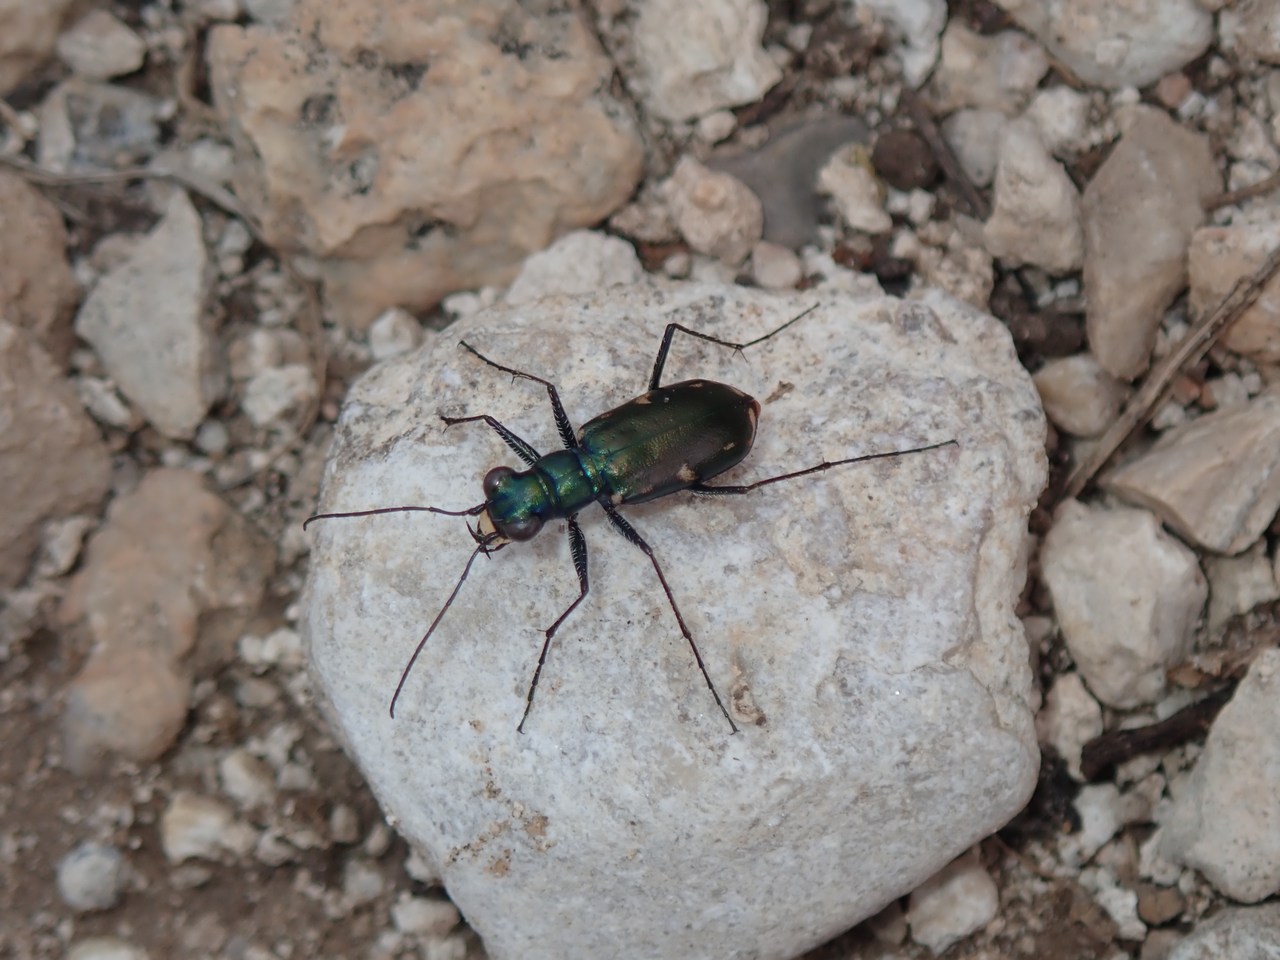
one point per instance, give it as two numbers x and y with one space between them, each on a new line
686 475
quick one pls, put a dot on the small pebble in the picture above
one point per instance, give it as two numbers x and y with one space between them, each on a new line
200 827
394 332
246 779
423 917
775 267
105 948
361 883
92 877
100 47
344 825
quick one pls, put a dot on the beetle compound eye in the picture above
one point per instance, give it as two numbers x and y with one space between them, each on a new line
493 481
525 529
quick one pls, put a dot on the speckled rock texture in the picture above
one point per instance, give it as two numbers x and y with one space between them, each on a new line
858 622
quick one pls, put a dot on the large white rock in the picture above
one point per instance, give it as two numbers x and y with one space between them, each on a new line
859 624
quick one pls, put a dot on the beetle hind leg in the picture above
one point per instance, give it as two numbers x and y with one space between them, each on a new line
630 534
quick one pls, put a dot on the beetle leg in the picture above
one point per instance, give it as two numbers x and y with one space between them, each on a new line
524 450
563 426
825 465
629 532
655 380
577 547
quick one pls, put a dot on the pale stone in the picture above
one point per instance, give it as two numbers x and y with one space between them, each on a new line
1079 396
1036 212
1223 821
1115 45
1219 258
1216 480
421 148
716 213
579 262
959 900
1127 596
1140 210
693 59
169 367
807 637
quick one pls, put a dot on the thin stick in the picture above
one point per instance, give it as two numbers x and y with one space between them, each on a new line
1194 345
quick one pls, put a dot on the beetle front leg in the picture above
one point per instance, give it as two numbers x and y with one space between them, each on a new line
563 426
578 548
629 532
523 448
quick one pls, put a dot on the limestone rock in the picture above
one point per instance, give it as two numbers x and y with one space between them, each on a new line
860 626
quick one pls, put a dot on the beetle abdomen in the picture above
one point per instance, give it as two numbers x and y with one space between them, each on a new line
668 439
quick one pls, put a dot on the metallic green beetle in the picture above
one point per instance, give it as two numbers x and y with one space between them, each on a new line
665 440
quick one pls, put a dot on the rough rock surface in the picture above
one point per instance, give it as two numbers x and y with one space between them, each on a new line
690 59
409 184
1117 44
39 411
859 625
1127 596
37 288
169 583
1216 480
1140 210
1225 822
169 366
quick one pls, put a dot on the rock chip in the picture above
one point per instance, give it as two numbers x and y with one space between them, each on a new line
855 192
1079 396
395 332
1140 211
716 213
28 32
37 289
1115 45
85 125
1242 933
918 24
1071 717
685 60
1036 212
1127 596
998 72
579 262
73 471
957 901
167 367
1220 257
106 948
974 135
169 583
198 827
1223 821
1216 480
424 147
1238 584
92 877
99 46
808 637
1251 31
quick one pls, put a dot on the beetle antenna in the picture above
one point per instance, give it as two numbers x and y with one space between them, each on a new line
469 512
480 548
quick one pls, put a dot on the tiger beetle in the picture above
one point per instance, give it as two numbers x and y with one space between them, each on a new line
667 439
